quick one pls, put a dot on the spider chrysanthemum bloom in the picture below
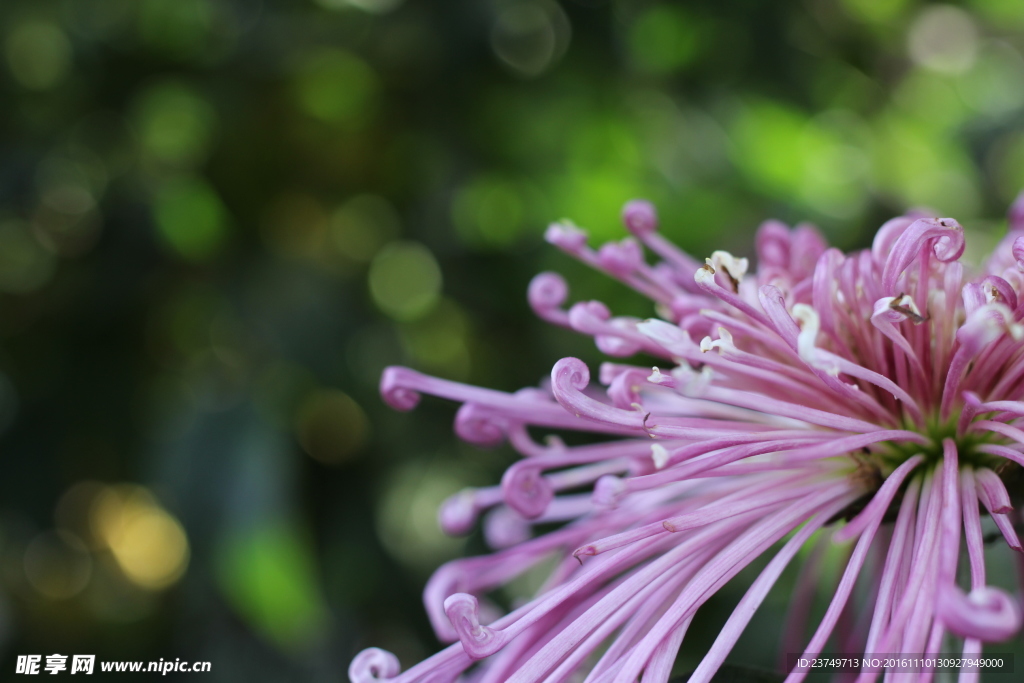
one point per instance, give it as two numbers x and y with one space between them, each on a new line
875 397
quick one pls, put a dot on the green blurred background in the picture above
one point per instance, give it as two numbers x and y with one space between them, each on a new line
220 219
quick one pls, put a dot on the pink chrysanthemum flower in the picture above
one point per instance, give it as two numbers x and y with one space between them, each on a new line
876 396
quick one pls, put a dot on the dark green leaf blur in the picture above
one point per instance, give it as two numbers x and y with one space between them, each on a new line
221 219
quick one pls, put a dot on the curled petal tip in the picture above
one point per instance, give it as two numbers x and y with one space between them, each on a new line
986 324
458 513
950 246
997 290
525 490
587 316
1018 244
395 390
373 664
566 236
773 242
705 275
986 613
734 267
624 389
640 217
586 550
479 426
944 236
620 258
479 641
672 338
608 491
569 373
504 528
616 347
547 291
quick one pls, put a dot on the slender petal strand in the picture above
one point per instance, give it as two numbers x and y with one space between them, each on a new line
875 397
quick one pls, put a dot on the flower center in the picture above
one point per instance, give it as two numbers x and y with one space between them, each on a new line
892 454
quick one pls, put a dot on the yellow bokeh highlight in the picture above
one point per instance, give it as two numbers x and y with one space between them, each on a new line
148 543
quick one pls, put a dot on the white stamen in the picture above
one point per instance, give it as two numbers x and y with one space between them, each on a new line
736 267
659 456
690 382
806 340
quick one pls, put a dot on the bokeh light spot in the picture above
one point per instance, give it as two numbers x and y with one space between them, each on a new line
439 342
530 36
294 225
362 225
191 218
151 549
489 212
943 38
279 388
664 38
818 162
38 54
175 124
995 84
369 6
331 426
407 514
181 28
66 220
922 168
57 564
1007 163
25 265
268 574
767 138
594 197
876 11
1006 14
147 542
405 280
336 86
371 349
73 508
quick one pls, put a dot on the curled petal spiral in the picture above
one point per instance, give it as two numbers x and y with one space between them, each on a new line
478 425
546 294
640 217
478 640
526 490
944 236
986 613
395 392
373 665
